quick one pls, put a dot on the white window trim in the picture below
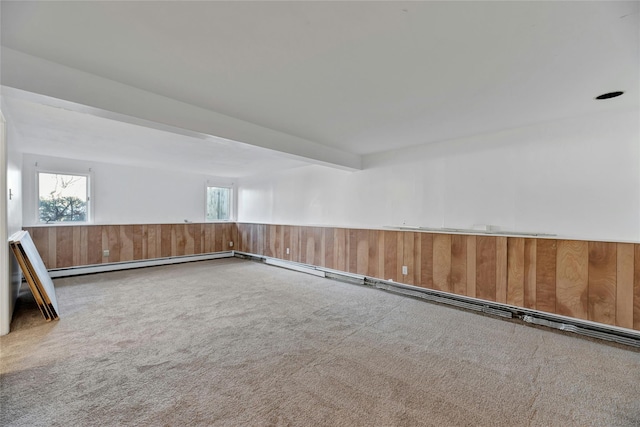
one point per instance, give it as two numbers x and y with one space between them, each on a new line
90 208
232 204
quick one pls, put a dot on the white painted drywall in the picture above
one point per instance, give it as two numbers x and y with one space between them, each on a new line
14 215
576 177
125 194
5 290
10 222
126 103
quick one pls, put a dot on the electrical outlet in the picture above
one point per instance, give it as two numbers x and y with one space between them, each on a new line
105 252
287 251
230 244
405 270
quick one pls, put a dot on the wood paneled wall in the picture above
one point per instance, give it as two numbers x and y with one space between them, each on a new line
70 246
595 281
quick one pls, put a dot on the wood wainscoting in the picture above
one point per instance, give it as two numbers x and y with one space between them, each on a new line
589 280
63 246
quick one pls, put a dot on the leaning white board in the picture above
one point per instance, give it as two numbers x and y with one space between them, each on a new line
36 270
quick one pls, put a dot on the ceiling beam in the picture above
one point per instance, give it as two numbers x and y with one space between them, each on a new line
111 99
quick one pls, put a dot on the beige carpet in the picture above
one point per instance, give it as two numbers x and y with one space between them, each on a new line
238 343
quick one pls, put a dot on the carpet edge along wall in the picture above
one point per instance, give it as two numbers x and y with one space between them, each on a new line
589 280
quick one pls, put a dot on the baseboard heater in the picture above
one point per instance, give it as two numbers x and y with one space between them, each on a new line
569 324
116 266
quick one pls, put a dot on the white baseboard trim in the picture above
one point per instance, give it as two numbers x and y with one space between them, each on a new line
289 265
116 266
587 328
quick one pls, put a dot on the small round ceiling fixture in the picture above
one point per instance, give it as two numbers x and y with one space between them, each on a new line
609 95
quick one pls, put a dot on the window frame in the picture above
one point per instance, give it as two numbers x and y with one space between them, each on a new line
89 215
232 209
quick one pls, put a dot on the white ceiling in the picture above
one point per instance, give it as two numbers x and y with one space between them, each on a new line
362 77
47 128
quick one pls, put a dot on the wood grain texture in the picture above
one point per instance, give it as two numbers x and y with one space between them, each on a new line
77 241
166 246
305 239
53 246
40 237
501 269
189 235
399 256
624 285
64 247
426 261
246 238
286 242
530 279
271 240
411 253
218 239
198 238
340 249
360 250
126 242
417 257
81 245
407 258
352 250
572 278
546 275
280 241
471 265
442 262
515 271
207 238
279 245
111 241
636 287
294 241
602 282
597 281
304 247
137 236
486 267
319 247
391 255
459 264
329 248
153 239
374 254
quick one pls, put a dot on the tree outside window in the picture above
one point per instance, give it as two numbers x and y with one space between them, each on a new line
218 204
62 197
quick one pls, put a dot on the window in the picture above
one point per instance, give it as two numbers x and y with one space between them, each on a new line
218 204
63 197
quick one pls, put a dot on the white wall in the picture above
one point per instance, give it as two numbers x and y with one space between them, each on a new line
576 177
6 303
10 222
14 218
124 194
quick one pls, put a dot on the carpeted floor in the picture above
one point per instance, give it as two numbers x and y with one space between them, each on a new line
238 343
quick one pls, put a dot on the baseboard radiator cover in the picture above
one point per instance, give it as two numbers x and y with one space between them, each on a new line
526 316
117 266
